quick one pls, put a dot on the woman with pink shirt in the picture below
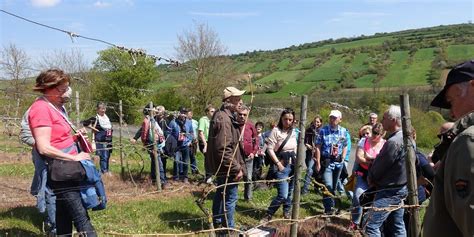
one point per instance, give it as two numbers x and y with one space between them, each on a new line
54 141
368 148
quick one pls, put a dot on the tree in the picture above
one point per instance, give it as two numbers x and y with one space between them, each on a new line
72 62
15 65
207 71
122 76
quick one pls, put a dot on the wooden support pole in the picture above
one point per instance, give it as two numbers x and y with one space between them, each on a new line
298 166
410 160
122 169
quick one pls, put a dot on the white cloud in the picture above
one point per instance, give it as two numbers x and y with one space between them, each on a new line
101 4
45 3
225 14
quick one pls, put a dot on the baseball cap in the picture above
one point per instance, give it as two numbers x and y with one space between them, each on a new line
231 91
335 113
460 73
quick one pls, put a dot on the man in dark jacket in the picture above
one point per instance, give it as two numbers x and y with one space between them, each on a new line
388 175
451 208
224 157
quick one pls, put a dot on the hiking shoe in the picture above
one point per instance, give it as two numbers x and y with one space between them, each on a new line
186 181
165 186
267 218
287 215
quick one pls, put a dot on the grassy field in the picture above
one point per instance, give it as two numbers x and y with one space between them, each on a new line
132 208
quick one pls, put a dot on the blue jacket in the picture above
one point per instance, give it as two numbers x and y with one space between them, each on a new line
93 193
176 130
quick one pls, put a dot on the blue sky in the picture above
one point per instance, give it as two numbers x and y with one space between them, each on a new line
242 25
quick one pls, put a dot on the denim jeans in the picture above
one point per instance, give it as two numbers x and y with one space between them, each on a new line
284 191
229 203
69 209
180 165
331 177
248 179
45 198
341 182
360 187
375 219
309 171
153 169
257 170
104 153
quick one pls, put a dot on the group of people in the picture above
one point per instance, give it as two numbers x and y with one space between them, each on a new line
235 149
379 169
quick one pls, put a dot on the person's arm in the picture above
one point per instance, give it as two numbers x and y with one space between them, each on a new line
25 133
42 137
383 161
271 142
138 134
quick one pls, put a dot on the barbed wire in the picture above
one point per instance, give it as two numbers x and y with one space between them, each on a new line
133 52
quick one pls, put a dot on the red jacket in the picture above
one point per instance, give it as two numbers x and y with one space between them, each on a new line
250 139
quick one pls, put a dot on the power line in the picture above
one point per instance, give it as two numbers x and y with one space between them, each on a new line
72 35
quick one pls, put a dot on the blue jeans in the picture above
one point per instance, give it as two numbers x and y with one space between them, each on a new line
45 198
221 207
331 176
69 209
153 168
180 165
284 189
248 179
104 153
360 187
375 219
309 171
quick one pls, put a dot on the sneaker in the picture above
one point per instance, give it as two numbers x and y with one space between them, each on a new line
165 186
186 181
287 215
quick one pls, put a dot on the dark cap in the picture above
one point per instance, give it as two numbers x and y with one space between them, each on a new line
183 110
460 73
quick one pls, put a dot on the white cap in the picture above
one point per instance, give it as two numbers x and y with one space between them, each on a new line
335 113
231 91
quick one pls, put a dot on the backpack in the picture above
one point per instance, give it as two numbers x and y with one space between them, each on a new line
147 135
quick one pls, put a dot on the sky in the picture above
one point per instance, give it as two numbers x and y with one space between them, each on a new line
241 25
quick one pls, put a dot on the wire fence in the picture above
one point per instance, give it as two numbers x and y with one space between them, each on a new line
135 158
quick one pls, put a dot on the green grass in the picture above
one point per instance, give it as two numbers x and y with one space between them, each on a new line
306 63
329 71
365 81
262 66
286 76
284 64
460 52
357 64
244 67
24 170
401 73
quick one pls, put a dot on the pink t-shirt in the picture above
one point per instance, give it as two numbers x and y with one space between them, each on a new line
42 114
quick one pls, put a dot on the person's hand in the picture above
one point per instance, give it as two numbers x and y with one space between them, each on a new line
82 130
251 156
308 146
239 175
82 156
280 166
317 166
133 141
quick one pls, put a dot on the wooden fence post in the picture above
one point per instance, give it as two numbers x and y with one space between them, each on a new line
78 116
122 170
410 164
298 166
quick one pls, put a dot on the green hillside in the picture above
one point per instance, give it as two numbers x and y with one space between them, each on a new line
406 58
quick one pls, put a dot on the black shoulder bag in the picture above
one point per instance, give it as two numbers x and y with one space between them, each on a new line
278 153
